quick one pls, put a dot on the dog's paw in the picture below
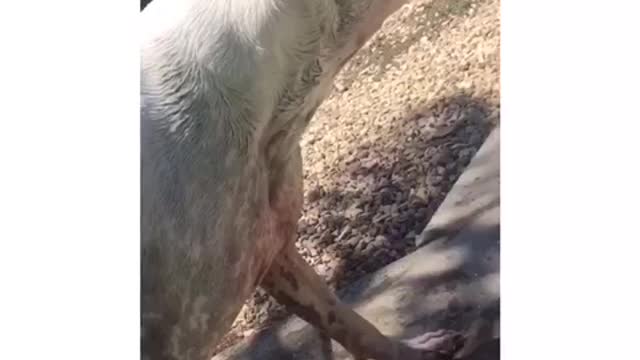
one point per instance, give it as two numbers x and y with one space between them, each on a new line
437 345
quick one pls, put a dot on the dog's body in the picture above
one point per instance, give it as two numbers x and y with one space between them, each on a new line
227 89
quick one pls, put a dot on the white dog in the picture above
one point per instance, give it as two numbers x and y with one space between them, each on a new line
228 87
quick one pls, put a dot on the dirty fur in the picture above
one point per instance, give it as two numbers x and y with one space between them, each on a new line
227 88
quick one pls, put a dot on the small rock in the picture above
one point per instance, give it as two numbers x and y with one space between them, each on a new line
322 269
379 241
421 193
465 85
333 264
352 242
369 249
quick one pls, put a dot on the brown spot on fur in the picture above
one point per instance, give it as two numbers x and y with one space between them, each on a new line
267 283
291 279
341 335
307 312
352 341
331 317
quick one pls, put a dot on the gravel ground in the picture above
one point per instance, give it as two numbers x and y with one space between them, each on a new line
406 116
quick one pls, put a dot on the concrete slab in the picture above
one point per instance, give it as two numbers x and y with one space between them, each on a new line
452 281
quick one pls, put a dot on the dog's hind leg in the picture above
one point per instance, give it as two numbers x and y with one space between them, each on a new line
296 285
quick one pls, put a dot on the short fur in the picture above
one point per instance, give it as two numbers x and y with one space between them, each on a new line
227 88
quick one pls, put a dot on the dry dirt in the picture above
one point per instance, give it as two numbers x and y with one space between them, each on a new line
405 118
